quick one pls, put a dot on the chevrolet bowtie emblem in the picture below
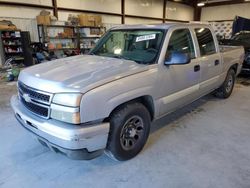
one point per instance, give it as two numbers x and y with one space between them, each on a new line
27 97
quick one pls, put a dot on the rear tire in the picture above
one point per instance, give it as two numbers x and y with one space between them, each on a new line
227 87
129 130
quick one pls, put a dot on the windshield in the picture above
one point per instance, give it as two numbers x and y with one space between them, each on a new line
141 46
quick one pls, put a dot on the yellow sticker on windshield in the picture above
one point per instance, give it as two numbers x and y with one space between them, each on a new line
145 37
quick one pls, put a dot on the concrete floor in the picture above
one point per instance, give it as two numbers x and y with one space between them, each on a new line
204 145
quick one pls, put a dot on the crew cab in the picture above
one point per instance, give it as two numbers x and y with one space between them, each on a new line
105 101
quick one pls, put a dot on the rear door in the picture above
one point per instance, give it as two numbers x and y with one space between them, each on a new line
209 58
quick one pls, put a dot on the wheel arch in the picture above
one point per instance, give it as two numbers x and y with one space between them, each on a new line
234 67
146 100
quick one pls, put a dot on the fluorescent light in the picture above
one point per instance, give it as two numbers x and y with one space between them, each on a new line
200 4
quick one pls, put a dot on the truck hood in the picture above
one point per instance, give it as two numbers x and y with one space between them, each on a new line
78 74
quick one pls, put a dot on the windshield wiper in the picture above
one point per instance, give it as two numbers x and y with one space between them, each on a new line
127 58
122 57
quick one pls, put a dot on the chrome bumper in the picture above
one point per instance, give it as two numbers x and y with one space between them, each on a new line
63 135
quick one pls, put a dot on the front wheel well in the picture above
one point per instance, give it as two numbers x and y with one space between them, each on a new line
146 100
234 67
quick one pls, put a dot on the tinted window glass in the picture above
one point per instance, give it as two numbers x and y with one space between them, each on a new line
206 41
181 41
141 46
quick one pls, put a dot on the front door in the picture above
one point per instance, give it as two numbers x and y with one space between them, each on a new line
180 82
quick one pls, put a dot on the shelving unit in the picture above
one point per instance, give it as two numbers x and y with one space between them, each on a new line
88 36
11 46
76 38
58 38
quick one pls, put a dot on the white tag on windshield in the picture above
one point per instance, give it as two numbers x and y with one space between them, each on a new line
145 37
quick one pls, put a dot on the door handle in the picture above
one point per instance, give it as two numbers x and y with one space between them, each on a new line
197 68
216 62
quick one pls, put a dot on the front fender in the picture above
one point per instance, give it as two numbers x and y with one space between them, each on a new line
98 103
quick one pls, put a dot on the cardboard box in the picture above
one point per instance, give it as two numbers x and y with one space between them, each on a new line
43 20
39 20
86 20
98 21
91 20
8 27
83 19
47 20
68 32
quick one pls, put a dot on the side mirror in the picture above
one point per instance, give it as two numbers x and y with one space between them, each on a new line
177 58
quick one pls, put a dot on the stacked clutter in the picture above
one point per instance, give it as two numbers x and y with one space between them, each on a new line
78 34
12 74
90 20
7 25
72 20
84 20
9 72
44 18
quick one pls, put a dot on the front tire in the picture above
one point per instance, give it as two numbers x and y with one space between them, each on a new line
129 130
227 87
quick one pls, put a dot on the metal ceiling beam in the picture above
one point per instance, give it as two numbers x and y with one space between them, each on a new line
185 2
164 10
55 10
123 11
197 11
231 2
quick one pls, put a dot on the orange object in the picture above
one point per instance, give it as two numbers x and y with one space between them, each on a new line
51 46
58 46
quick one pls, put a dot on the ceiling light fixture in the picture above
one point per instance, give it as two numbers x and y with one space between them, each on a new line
201 4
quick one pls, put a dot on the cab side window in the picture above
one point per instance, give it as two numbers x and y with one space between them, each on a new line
206 41
181 41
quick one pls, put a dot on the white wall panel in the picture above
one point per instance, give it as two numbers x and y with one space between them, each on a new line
113 6
151 8
63 16
130 21
177 11
227 12
37 2
19 12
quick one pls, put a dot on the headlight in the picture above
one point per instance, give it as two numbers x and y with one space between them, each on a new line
65 114
67 99
66 107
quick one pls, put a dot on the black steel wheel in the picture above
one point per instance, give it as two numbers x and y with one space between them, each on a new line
132 132
227 87
129 130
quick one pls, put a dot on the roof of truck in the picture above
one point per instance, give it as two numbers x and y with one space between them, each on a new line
157 26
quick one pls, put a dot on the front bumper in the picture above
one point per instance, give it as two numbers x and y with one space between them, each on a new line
65 138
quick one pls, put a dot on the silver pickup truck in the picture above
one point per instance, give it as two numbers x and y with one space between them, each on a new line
85 105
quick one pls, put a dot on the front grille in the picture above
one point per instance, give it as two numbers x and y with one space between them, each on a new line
36 95
39 110
38 102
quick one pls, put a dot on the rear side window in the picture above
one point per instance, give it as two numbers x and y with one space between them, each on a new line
206 41
181 41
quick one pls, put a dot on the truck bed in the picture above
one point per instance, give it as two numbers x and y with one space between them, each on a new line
232 55
226 48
